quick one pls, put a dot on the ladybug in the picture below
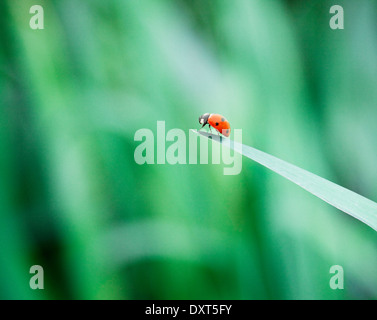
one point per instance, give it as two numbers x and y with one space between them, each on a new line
216 121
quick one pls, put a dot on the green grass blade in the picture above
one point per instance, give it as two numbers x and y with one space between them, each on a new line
346 200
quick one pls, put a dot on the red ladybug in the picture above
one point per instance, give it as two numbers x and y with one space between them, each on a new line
217 121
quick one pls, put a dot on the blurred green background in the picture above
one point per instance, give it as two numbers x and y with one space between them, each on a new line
74 201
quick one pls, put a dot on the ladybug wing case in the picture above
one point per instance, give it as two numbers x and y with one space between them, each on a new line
219 123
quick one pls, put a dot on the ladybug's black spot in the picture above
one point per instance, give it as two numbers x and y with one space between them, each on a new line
222 119
217 123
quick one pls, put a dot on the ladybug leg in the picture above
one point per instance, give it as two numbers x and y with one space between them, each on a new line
202 127
210 128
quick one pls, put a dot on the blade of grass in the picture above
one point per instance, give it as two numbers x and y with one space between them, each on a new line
341 198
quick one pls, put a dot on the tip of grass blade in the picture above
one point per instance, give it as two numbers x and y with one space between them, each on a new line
341 198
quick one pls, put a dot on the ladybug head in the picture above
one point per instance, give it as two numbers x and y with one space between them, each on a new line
203 119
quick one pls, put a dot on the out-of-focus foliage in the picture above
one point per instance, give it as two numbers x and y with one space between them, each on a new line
74 201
